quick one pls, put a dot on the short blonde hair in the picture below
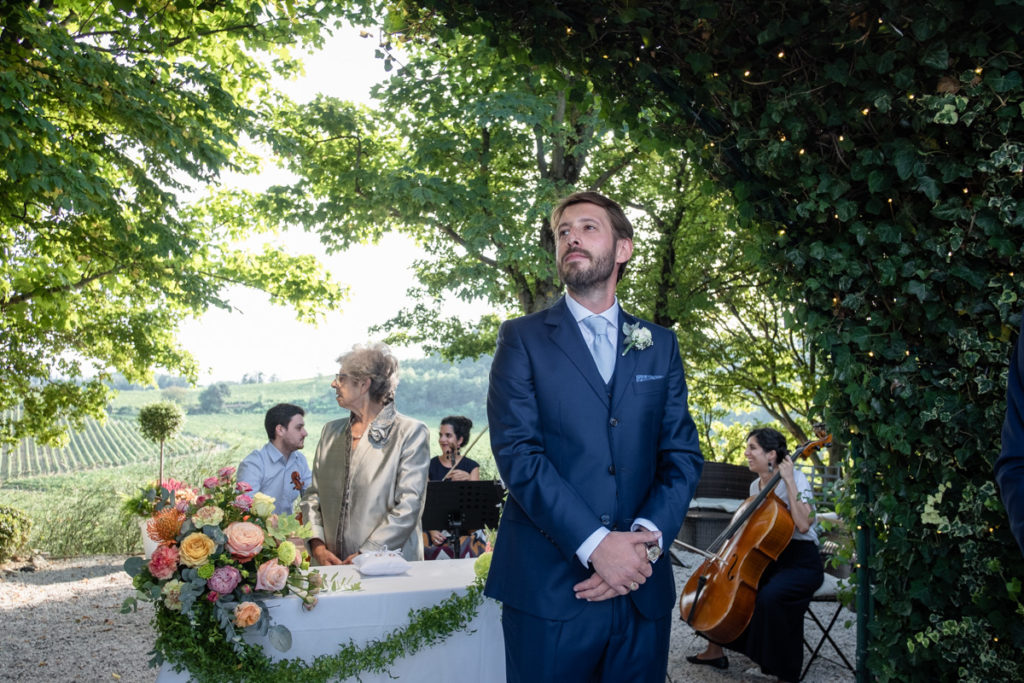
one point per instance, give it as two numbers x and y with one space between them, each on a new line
376 362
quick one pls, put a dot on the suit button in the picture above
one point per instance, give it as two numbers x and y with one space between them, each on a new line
611 469
614 422
605 519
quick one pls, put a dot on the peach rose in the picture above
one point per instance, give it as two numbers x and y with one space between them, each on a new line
164 562
271 576
196 548
244 540
247 614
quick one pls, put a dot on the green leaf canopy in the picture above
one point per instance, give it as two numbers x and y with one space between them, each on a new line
113 117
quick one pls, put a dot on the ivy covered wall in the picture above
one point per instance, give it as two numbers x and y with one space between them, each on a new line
883 145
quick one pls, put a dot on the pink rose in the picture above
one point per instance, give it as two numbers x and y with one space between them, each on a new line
212 596
244 540
243 487
210 482
242 502
225 474
271 576
224 580
164 562
247 614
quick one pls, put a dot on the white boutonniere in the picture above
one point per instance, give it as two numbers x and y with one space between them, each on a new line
637 336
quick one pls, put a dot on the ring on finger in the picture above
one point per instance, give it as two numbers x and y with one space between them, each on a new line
633 586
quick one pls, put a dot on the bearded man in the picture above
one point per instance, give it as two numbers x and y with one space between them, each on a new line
591 432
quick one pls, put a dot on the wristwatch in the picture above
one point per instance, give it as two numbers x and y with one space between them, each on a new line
653 552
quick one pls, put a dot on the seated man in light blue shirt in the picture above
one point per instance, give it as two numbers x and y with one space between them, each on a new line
278 469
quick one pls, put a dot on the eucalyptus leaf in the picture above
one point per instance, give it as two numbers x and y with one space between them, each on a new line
280 637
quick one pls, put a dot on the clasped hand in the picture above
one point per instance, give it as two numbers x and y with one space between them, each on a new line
619 561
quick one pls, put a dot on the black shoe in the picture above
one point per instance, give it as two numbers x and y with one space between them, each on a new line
718 662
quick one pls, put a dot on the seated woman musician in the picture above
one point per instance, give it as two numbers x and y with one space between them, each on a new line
451 465
774 639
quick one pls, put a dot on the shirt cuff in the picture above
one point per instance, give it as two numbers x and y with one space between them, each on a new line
649 525
588 546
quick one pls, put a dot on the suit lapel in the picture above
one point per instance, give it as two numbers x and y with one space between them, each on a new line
565 333
625 365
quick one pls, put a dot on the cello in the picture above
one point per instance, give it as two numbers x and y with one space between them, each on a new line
718 599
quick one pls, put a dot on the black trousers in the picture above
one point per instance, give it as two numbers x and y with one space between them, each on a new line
775 636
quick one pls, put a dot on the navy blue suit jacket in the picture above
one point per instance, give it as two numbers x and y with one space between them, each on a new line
1009 468
576 454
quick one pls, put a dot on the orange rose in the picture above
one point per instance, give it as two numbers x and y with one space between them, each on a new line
195 548
244 540
247 614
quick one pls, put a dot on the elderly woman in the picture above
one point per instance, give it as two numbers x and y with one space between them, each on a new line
370 469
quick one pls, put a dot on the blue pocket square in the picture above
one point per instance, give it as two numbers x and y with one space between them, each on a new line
648 378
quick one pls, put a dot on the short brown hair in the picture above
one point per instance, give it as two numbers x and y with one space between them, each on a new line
621 226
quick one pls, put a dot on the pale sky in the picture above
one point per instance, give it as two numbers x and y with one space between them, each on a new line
258 336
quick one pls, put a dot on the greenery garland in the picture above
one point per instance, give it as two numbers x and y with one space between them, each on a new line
198 645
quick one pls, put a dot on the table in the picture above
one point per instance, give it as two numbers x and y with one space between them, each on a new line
380 607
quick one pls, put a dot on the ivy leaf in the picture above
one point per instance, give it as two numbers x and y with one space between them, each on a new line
919 289
904 157
936 55
930 187
947 115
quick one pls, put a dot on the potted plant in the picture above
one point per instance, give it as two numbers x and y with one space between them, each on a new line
158 422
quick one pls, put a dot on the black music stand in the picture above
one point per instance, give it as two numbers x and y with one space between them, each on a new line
455 505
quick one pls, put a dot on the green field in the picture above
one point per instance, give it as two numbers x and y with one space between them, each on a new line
98 446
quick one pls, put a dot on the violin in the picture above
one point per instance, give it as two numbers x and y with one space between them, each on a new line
718 599
297 485
456 456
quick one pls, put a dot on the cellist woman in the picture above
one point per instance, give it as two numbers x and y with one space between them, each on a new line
774 639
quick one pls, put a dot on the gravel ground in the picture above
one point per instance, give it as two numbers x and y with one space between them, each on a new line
62 622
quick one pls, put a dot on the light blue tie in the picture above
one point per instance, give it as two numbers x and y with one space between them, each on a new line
600 346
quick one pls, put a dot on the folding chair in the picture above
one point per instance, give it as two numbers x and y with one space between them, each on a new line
827 592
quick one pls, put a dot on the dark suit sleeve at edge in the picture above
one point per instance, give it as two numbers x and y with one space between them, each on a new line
1009 468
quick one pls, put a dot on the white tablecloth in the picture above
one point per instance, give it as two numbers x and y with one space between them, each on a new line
379 608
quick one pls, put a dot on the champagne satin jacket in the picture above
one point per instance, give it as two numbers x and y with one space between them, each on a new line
371 497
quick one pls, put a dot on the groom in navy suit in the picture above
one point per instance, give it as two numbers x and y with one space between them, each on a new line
592 435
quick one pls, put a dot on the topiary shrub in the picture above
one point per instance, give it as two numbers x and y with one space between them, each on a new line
14 528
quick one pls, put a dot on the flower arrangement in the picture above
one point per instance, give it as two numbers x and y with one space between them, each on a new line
221 550
637 336
198 644
147 499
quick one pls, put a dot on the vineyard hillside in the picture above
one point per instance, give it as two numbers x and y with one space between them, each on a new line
97 446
